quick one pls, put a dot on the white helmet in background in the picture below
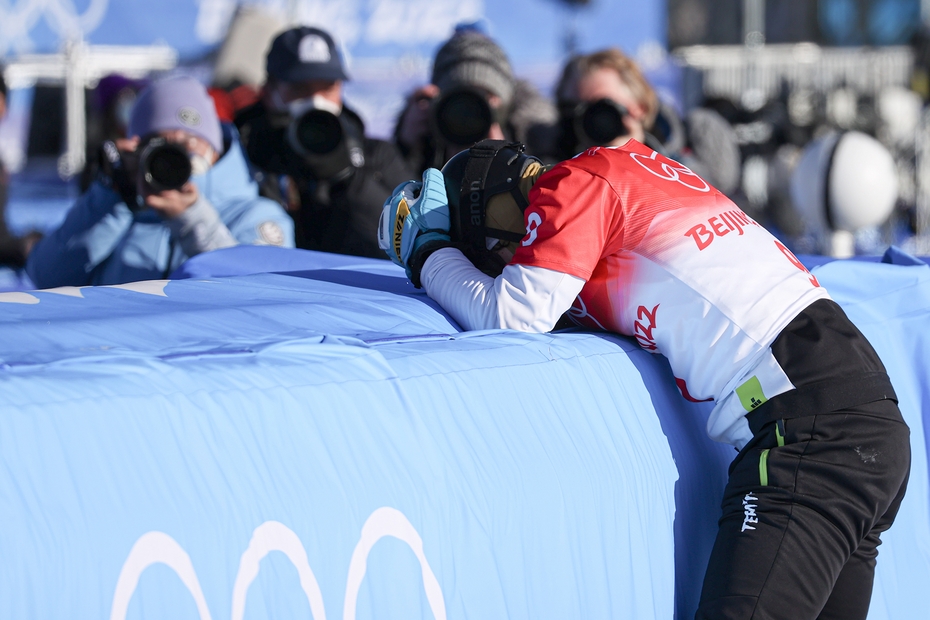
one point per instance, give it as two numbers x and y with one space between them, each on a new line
844 182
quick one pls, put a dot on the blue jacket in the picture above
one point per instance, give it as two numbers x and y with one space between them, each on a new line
102 242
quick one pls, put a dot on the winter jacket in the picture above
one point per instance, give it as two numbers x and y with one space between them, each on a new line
102 241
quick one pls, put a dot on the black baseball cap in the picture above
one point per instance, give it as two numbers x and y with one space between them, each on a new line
304 53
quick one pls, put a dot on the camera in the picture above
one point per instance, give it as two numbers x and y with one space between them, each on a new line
462 116
330 146
599 122
164 165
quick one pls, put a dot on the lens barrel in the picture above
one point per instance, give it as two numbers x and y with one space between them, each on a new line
462 117
601 121
316 132
329 146
164 165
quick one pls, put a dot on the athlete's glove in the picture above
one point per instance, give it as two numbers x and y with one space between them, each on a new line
415 223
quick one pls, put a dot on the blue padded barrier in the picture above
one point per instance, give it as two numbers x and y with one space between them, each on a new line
326 442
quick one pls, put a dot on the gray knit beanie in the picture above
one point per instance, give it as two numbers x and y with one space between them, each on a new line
470 58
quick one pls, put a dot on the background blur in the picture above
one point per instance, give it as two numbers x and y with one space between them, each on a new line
781 71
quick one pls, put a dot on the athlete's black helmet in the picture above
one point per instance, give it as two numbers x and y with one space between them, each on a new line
487 187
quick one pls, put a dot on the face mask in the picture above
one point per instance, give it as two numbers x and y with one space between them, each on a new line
317 102
200 164
298 106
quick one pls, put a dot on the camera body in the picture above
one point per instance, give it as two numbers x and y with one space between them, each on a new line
463 116
159 165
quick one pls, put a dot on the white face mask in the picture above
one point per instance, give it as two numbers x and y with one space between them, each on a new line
297 106
201 164
317 102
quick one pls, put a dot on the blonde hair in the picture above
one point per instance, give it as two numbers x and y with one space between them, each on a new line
626 68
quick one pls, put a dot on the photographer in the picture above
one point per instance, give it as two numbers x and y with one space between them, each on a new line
311 151
473 95
179 186
604 100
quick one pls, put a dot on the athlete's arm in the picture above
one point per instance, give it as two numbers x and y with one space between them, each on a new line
525 298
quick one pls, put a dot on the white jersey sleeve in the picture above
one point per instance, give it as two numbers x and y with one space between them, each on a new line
524 298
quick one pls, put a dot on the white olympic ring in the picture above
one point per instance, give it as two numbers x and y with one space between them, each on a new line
581 312
160 548
61 15
674 172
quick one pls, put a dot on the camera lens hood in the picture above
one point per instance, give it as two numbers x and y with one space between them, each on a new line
462 116
329 145
315 132
600 122
164 165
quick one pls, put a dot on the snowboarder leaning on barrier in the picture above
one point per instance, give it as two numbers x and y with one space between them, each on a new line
626 240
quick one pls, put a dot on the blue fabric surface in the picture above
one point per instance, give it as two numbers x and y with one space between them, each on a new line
247 260
14 280
893 256
160 442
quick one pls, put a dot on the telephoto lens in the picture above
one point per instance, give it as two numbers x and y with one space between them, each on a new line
462 117
316 132
164 165
330 147
601 121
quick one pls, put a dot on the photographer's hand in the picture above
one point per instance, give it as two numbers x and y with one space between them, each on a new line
173 202
414 125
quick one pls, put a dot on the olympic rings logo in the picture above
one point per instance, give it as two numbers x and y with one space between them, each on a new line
579 311
60 15
670 171
157 547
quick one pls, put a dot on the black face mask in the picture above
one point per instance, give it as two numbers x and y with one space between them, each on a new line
315 144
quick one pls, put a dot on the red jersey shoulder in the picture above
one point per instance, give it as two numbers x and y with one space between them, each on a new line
643 164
